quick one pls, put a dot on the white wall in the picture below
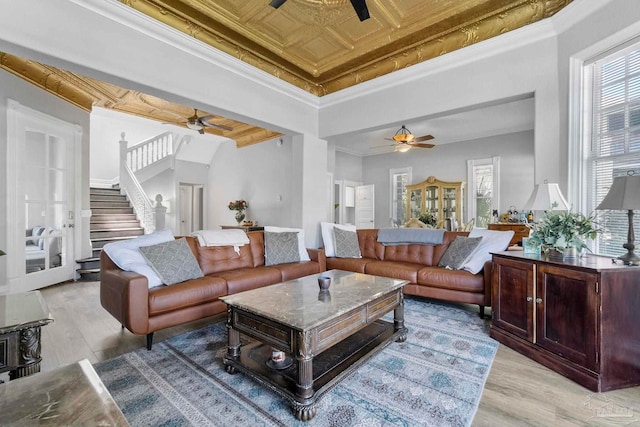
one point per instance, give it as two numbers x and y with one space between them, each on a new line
29 95
448 162
261 174
348 167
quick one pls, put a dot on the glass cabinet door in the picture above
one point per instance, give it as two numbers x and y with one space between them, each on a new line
415 203
449 201
431 199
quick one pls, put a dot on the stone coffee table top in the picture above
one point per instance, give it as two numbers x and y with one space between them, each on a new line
300 304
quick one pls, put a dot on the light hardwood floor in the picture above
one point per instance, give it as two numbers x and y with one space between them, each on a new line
518 392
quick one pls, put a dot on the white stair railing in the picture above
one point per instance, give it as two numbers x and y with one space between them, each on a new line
150 151
151 218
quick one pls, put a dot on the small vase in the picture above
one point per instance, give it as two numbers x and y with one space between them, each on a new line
570 254
239 216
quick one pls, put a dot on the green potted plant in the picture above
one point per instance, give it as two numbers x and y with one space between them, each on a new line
428 218
2 252
565 233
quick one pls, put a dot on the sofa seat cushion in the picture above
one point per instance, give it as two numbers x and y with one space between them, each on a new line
395 269
164 299
298 269
356 265
245 279
458 280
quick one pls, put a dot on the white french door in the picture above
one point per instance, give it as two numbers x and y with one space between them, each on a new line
41 198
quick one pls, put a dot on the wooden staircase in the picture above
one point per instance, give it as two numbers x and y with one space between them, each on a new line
112 219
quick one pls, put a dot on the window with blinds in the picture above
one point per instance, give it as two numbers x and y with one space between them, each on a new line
615 143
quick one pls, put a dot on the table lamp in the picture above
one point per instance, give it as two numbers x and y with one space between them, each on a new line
624 194
546 197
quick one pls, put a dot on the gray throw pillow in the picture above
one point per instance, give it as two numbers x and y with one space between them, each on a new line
173 261
346 243
281 248
458 252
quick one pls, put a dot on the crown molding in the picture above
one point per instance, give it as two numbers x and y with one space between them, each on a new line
144 24
514 39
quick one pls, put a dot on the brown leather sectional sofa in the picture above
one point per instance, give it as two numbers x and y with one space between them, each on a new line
143 311
418 264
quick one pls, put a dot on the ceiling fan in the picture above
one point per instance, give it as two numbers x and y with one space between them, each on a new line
360 6
405 140
199 123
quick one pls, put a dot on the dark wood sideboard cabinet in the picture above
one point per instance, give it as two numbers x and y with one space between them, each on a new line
580 319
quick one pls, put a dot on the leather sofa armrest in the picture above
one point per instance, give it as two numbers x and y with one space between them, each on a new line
125 295
319 256
488 272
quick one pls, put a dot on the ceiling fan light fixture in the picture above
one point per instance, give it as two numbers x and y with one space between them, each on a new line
194 125
403 135
402 148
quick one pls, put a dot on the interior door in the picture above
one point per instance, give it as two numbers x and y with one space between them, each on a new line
186 209
191 208
365 206
42 166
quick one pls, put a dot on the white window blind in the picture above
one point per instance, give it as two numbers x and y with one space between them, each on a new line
615 143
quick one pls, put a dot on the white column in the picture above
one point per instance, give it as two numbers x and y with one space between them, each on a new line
310 192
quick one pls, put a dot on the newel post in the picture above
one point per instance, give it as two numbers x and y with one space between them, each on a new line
123 158
159 213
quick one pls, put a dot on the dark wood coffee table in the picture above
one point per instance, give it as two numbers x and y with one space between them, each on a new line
326 335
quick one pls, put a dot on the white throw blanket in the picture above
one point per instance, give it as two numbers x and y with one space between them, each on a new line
229 237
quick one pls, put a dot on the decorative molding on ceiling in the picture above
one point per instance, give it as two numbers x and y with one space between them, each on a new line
85 93
321 47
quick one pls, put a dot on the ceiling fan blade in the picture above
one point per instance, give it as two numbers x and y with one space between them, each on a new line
360 6
415 144
423 138
276 3
213 125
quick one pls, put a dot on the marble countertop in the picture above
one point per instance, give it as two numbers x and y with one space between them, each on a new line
70 395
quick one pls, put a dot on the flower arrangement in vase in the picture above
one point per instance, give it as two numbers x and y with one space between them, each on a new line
239 206
563 232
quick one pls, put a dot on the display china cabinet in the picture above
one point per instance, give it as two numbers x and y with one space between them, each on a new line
444 199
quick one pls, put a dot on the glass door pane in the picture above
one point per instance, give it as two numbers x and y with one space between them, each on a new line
415 203
46 207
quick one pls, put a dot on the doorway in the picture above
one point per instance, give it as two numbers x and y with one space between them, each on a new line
41 174
191 208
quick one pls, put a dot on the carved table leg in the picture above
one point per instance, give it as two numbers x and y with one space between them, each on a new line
233 344
304 383
29 353
398 320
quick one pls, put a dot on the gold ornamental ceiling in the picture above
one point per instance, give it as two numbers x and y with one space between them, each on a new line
85 92
318 45
321 46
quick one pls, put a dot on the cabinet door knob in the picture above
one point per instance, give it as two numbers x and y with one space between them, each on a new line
539 300
529 299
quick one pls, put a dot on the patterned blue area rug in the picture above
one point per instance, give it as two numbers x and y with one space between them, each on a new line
435 378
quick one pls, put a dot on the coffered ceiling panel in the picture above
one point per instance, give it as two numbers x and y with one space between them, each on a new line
322 47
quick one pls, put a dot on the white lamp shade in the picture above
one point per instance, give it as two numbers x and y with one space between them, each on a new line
624 194
546 197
